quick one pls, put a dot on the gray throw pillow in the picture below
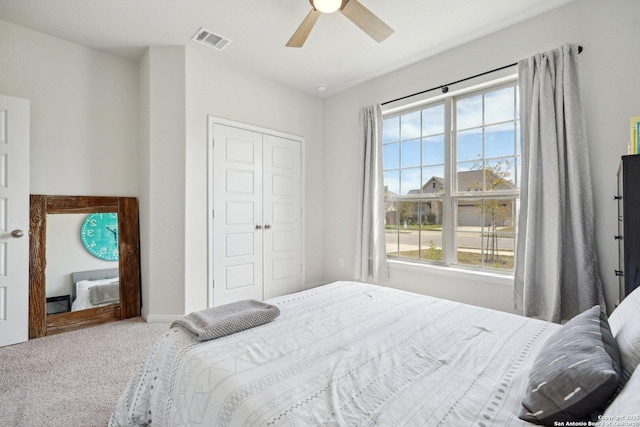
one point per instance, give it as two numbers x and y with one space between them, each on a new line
576 372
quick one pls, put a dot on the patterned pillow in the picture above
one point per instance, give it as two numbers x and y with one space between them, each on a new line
575 373
625 326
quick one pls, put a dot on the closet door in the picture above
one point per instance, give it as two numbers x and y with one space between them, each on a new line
257 218
282 216
237 217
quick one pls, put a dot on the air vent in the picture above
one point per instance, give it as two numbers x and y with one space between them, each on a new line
207 38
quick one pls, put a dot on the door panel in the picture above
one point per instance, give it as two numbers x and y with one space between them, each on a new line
14 217
237 204
282 212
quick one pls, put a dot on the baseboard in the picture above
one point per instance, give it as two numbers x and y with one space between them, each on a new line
161 318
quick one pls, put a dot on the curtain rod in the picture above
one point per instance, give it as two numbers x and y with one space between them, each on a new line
445 87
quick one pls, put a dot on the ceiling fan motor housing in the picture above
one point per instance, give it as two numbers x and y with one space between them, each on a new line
342 5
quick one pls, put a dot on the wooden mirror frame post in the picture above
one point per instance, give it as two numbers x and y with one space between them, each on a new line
129 262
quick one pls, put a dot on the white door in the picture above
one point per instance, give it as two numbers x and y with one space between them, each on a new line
14 220
237 218
257 224
282 217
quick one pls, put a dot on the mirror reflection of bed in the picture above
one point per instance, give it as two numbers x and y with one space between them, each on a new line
95 288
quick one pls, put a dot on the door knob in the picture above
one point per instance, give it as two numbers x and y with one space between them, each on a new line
258 227
267 226
17 233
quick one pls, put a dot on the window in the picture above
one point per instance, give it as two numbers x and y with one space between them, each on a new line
451 179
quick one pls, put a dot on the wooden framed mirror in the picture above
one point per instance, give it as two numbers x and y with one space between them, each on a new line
41 324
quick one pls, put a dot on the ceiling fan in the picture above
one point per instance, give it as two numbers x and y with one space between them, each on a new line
352 9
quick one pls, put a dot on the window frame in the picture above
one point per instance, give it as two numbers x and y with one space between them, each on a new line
451 196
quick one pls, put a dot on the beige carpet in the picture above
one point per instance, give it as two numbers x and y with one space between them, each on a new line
74 378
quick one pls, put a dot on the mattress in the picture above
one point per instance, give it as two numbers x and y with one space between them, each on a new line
343 354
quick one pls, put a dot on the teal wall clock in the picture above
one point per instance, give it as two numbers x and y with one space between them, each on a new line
99 235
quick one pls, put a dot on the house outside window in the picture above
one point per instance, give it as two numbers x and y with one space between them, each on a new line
452 180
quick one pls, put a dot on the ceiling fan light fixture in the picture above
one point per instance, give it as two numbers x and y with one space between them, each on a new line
327 6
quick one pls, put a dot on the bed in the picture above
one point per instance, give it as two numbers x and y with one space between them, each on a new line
94 288
350 354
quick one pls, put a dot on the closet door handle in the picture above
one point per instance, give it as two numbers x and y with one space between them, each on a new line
267 226
258 227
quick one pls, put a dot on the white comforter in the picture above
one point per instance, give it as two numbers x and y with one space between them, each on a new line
344 354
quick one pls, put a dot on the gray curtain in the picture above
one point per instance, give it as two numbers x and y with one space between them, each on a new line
371 256
556 274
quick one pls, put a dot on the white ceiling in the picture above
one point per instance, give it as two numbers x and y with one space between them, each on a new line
337 53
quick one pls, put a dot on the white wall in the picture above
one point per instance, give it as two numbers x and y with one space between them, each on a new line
218 87
610 34
144 203
84 113
162 213
66 253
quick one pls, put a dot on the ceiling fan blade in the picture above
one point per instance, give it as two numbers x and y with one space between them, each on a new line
367 21
300 36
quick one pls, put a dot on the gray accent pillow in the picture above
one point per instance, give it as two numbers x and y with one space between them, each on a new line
576 372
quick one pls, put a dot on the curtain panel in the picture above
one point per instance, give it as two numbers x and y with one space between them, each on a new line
556 272
371 255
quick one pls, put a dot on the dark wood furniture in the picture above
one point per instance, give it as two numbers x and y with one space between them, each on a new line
628 236
129 262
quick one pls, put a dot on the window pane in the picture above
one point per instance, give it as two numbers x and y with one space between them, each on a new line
391 130
391 227
499 105
500 174
433 150
469 242
411 153
433 178
392 182
391 156
469 250
409 230
469 145
410 181
469 112
470 176
433 120
499 140
498 212
499 232
410 125
431 231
